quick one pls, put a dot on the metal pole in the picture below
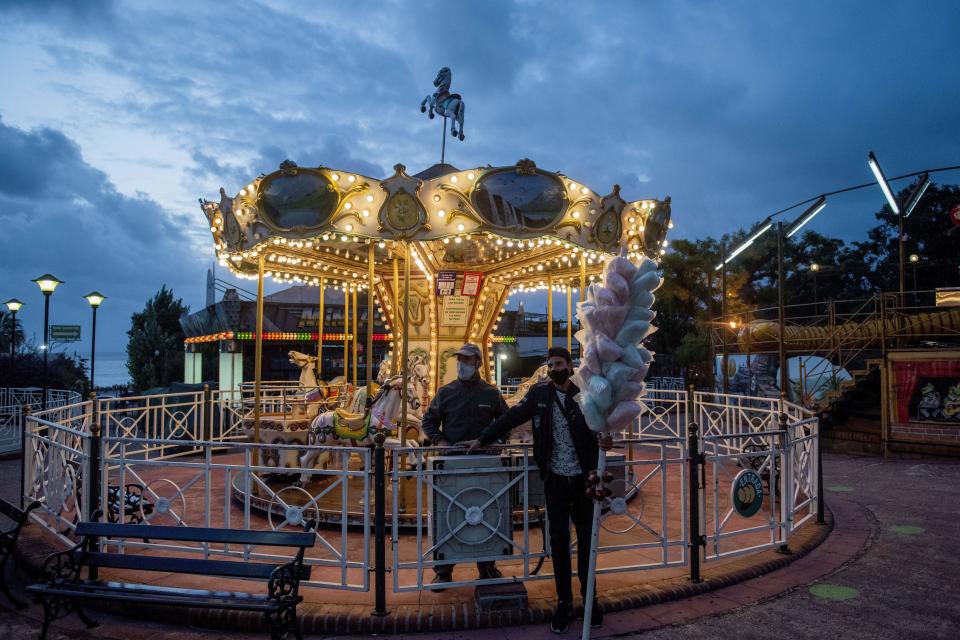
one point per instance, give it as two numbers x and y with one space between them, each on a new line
694 461
900 221
395 364
723 316
346 335
13 335
549 310
405 348
355 336
93 485
592 565
379 520
443 141
93 350
258 361
46 348
569 318
371 262
784 374
321 320
820 514
24 414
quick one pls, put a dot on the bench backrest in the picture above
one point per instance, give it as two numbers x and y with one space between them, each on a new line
197 534
199 566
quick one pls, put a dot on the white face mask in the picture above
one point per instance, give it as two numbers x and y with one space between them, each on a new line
465 371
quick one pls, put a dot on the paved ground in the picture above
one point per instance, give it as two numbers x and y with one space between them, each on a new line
889 570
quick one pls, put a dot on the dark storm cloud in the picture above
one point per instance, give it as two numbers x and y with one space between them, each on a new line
63 216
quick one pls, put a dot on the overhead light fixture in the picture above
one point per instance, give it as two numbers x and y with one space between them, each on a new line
882 181
923 183
807 216
763 227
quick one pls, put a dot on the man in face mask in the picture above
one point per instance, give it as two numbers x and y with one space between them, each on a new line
565 450
458 413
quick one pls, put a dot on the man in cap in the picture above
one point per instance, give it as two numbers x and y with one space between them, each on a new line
458 413
565 450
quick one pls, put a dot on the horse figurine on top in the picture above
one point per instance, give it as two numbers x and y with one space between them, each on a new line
448 105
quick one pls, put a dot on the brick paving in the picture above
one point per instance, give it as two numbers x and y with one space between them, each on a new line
903 578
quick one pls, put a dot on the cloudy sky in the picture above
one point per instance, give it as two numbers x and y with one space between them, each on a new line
116 116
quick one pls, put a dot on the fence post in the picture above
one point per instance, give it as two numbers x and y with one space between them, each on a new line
785 479
695 540
379 515
207 414
92 484
820 515
24 414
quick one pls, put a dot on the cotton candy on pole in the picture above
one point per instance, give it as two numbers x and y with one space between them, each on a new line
616 317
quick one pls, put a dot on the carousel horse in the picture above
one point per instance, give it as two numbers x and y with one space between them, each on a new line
538 376
308 369
340 428
448 105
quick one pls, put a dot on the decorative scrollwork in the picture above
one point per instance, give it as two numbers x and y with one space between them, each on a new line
284 582
61 567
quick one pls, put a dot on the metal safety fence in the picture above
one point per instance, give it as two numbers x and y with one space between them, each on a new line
697 478
12 402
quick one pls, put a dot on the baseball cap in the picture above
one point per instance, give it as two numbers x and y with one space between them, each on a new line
469 350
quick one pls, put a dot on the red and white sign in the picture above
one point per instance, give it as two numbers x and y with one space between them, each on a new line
955 214
471 283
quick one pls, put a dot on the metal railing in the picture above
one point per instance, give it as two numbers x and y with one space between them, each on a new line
12 402
181 459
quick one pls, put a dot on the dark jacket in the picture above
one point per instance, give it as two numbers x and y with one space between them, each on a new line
537 406
461 410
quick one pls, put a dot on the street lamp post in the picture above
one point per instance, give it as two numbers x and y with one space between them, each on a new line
47 283
914 261
94 299
500 358
13 305
814 268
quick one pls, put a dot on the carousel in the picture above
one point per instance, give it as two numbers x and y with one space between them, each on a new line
438 254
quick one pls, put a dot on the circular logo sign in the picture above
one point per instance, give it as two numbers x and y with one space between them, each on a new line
955 214
746 493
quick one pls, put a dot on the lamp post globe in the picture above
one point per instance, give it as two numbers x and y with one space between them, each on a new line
95 299
48 284
13 305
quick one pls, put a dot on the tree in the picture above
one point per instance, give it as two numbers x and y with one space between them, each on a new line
5 318
155 342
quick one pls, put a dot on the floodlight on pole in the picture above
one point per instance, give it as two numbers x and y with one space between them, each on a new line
47 283
882 181
763 227
807 216
923 183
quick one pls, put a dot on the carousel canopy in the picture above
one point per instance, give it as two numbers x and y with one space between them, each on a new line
517 224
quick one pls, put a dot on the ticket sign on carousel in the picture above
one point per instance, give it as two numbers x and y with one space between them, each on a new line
746 493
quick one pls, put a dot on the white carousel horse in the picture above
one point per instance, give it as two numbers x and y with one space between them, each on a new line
448 105
339 428
308 369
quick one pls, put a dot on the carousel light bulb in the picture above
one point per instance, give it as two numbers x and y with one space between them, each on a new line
573 186
351 178
453 179
334 177
347 206
470 176
366 213
458 240
575 214
584 190
670 225
441 213
436 198
460 227
343 238
369 198
446 241
381 244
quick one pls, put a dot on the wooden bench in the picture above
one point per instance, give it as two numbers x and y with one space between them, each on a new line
8 538
64 587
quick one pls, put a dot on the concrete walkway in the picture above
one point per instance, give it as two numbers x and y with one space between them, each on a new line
888 570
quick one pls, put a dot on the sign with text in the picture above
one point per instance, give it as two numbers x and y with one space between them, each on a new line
455 311
471 283
65 332
446 283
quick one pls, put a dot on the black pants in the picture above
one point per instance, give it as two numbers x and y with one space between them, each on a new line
566 502
484 568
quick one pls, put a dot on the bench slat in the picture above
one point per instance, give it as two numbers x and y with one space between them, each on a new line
10 510
201 566
197 534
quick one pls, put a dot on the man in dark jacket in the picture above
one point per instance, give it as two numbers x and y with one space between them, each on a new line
459 412
565 450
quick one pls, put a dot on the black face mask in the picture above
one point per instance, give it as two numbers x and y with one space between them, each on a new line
559 376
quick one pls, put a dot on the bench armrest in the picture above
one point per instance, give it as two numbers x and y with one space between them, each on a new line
63 566
285 581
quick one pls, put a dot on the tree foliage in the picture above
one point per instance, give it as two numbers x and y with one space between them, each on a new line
688 304
155 342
